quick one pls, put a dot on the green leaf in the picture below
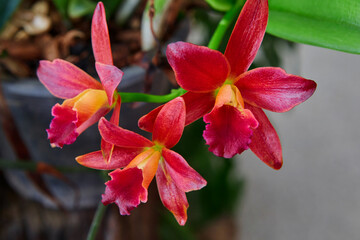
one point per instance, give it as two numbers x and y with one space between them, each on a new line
80 8
333 24
7 8
221 5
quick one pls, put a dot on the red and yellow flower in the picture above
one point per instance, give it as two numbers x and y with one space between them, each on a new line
137 160
229 97
86 99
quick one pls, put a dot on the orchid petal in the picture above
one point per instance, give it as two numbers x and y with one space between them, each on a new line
170 122
196 104
121 137
273 89
265 142
147 121
120 158
185 177
100 36
64 79
90 106
110 77
108 148
63 126
229 130
197 68
125 189
247 36
147 161
75 115
171 196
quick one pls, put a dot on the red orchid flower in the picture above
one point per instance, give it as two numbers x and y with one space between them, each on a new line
221 83
86 100
137 160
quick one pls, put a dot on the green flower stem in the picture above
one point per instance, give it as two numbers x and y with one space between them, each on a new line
32 166
99 214
224 24
143 97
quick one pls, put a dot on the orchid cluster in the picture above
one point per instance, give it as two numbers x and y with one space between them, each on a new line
220 88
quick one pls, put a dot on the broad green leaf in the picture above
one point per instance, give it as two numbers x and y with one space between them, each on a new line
333 24
221 5
7 8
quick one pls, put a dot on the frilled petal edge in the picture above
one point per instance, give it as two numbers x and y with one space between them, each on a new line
125 189
229 130
63 126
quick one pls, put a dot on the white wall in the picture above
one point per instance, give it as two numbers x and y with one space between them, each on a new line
316 195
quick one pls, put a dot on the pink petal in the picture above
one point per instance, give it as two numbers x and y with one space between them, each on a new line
63 126
185 177
110 77
171 196
100 36
229 130
247 36
265 142
65 80
125 189
273 89
197 68
108 148
121 137
120 158
196 104
170 122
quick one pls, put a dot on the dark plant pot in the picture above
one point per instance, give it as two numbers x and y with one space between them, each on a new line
30 105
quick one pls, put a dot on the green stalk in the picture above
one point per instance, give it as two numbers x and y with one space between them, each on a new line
143 97
99 214
224 24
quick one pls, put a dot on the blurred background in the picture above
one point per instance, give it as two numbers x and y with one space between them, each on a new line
314 196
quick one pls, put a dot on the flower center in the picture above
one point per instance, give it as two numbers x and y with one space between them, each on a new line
229 94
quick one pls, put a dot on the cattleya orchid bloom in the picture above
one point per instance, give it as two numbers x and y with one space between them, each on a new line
86 99
222 85
137 160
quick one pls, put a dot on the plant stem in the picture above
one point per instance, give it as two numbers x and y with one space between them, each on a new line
99 214
224 24
143 97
